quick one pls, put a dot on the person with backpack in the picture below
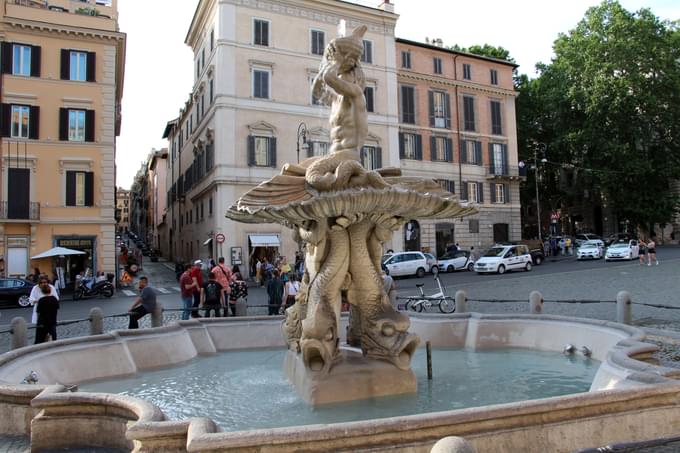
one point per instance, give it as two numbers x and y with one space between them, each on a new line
212 296
275 293
238 293
186 288
223 276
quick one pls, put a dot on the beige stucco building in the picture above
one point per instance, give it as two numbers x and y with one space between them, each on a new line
62 82
254 63
123 209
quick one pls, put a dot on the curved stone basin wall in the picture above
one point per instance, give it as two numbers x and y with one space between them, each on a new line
104 419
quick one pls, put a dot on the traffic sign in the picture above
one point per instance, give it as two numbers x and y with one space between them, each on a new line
219 237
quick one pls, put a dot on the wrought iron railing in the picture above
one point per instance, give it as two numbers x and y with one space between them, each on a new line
18 211
500 170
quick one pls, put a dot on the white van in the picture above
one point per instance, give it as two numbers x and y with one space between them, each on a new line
502 258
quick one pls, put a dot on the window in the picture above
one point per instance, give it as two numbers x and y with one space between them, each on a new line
21 60
210 209
473 225
498 159
202 58
471 152
20 121
408 104
440 115
496 126
467 71
261 151
318 149
447 185
318 42
406 59
367 54
468 113
202 105
76 125
472 192
212 93
437 65
198 68
410 146
260 84
261 32
441 149
78 66
79 188
202 212
499 193
371 157
212 39
369 95
494 76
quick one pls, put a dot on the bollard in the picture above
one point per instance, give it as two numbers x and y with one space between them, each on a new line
96 321
461 301
428 348
452 444
18 329
157 316
536 303
624 308
241 308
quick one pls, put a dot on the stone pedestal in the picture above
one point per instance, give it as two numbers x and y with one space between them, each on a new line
353 377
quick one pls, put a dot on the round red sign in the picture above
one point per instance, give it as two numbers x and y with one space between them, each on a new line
219 237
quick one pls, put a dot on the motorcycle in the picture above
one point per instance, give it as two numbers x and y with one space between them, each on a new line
87 289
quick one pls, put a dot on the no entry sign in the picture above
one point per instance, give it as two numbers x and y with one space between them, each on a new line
219 237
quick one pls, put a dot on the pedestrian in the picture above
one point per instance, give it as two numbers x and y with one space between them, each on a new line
238 292
651 252
291 289
268 268
553 246
144 304
234 270
562 246
223 276
46 310
285 269
37 293
258 272
546 248
212 296
36 275
473 254
186 288
390 287
197 276
567 246
642 251
275 292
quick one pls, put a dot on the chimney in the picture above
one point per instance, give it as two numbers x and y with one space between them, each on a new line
439 42
386 6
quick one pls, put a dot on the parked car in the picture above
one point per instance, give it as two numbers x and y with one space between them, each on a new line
504 258
432 263
455 261
622 250
15 291
406 263
590 250
581 238
535 249
618 237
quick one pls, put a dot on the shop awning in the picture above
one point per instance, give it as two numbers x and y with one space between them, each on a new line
57 251
264 240
207 241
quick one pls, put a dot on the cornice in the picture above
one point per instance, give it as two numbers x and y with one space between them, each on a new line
63 29
455 83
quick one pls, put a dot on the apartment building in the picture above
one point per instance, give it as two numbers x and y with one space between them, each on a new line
123 209
251 111
457 125
62 68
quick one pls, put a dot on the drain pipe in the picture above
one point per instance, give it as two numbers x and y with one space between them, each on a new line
428 347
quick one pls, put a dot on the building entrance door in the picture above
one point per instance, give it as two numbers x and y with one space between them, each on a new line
445 236
18 185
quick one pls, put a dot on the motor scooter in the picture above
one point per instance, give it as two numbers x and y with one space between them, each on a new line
88 288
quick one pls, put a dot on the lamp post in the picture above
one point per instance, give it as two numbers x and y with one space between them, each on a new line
301 134
538 201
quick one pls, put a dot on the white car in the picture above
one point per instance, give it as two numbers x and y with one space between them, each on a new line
406 263
626 250
582 238
590 250
504 258
458 260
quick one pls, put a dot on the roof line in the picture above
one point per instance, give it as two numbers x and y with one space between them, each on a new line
457 52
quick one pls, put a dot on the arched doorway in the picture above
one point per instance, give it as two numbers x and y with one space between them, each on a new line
412 236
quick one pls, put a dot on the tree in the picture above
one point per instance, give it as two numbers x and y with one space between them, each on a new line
486 50
608 107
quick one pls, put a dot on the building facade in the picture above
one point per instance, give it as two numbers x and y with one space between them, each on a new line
251 110
457 125
123 209
62 80
157 175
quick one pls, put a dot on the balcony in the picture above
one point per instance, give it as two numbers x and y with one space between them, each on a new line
499 171
27 212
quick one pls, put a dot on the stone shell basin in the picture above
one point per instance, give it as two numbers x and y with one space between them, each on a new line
629 399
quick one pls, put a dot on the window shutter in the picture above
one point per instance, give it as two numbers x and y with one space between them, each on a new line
251 151
63 124
89 188
506 169
402 146
480 193
433 148
449 150
34 123
447 110
430 97
463 152
478 153
70 188
506 190
492 187
35 61
492 164
89 125
65 64
91 66
272 152
464 191
378 157
6 64
419 147
265 33
6 120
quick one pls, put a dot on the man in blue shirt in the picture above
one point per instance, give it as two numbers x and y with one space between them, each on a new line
144 304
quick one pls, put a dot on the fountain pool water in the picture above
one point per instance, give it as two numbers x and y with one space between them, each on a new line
245 389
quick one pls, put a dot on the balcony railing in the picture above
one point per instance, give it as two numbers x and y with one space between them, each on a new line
17 211
505 171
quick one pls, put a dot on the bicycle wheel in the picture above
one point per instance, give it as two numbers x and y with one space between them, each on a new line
446 305
412 305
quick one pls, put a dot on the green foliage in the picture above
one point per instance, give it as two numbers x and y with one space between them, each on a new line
608 108
487 50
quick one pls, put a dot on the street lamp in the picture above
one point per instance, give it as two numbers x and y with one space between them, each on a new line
302 134
535 166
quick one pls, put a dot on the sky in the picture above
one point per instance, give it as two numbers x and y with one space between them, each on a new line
158 67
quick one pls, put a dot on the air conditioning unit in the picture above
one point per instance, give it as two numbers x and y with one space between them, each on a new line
440 122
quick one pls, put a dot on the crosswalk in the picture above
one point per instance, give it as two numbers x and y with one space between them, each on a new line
171 290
